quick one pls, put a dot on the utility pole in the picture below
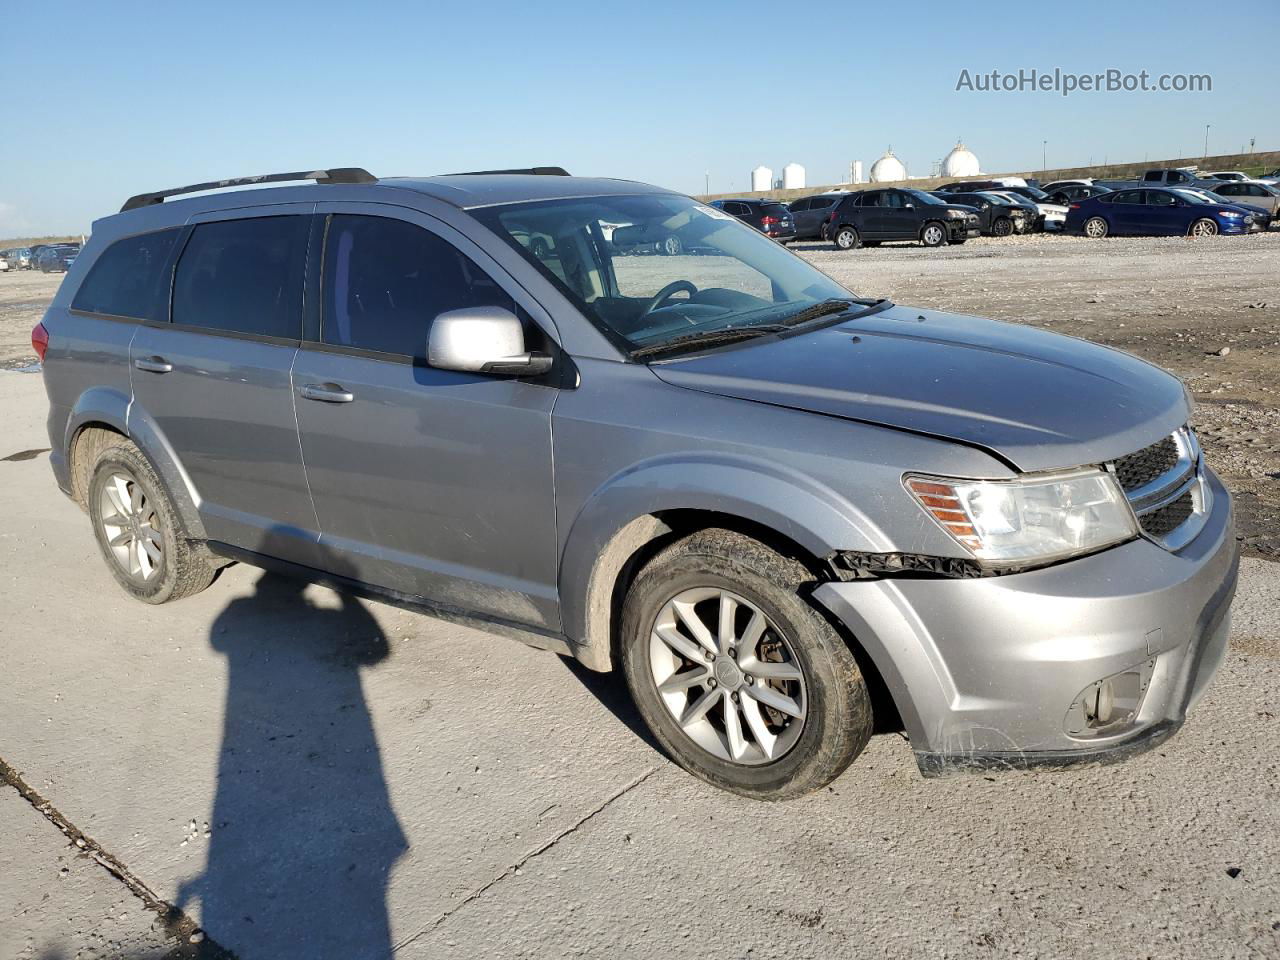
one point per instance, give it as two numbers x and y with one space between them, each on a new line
1206 141
1044 156
708 190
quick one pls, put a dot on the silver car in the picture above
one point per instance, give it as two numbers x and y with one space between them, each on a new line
784 511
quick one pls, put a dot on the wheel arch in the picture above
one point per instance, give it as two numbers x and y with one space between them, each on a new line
635 515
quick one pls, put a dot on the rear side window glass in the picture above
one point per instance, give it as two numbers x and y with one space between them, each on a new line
243 276
129 279
386 280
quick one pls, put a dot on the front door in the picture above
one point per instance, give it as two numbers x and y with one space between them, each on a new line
901 218
431 483
215 381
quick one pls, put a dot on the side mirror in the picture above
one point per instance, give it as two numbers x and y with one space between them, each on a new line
908 206
483 340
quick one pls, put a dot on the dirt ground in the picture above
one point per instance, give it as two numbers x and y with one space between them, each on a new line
1175 302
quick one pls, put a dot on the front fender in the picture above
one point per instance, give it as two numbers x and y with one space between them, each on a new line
621 516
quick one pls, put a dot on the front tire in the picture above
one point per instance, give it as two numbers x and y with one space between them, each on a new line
1203 228
1003 227
933 235
847 238
672 247
139 531
743 683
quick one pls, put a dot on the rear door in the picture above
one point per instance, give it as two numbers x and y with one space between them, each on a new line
1126 212
871 213
432 483
214 382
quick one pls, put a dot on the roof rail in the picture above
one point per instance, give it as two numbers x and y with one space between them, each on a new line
335 175
530 171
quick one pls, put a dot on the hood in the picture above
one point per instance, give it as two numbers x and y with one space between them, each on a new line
1037 400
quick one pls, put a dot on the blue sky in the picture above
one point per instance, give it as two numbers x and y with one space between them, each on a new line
108 99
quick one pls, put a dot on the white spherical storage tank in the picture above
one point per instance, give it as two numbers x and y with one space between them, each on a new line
793 177
888 168
960 163
761 179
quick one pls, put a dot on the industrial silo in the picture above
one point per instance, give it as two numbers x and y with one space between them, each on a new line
761 179
793 177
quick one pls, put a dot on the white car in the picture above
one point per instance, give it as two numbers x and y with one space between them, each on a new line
1055 214
1226 175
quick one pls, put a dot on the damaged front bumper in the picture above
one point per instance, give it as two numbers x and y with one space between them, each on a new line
1087 661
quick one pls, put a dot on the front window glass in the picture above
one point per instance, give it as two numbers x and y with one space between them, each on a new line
646 269
1194 197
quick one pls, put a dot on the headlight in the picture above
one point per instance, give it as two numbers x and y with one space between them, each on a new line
1035 519
956 214
1230 213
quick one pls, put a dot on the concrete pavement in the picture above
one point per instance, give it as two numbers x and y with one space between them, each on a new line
307 775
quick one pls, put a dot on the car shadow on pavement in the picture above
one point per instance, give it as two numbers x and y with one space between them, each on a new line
303 834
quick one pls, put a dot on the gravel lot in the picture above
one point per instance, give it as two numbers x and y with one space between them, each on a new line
303 775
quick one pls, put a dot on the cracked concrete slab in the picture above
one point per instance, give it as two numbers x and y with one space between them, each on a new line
56 902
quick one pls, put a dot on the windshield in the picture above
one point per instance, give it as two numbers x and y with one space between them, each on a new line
648 269
996 198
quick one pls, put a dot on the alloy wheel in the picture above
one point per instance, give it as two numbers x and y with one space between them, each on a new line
1204 228
1096 228
933 235
727 676
131 527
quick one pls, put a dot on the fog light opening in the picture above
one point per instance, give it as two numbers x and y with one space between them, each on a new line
1111 705
1099 703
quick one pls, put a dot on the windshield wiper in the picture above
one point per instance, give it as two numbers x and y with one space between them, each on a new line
708 338
723 335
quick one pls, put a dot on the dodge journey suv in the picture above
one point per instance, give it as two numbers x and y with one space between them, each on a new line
782 510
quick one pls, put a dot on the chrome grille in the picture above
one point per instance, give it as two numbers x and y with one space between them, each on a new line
1139 469
1166 489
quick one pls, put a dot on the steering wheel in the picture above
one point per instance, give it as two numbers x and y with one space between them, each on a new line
665 294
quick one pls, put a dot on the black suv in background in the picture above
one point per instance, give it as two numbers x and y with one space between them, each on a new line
812 212
1071 192
873 216
768 216
997 216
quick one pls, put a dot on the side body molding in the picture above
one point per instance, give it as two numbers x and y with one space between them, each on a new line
620 517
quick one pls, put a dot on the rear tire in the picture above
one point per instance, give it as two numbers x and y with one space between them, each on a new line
139 531
777 666
847 238
933 234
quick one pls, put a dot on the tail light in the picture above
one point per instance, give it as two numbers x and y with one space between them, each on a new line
770 221
1075 206
39 340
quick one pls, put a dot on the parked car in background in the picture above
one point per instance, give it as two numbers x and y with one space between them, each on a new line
998 216
781 510
871 217
811 212
56 258
1049 215
1253 193
1157 212
1055 184
4 262
1225 175
990 183
1034 219
1272 178
768 216
1069 192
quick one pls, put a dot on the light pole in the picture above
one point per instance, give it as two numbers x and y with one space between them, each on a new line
708 190
1044 156
1206 141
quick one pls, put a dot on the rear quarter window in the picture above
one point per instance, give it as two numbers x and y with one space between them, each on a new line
129 278
243 276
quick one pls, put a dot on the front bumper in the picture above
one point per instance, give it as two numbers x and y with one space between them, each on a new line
989 672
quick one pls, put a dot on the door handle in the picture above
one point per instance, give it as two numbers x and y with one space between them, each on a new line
326 393
153 364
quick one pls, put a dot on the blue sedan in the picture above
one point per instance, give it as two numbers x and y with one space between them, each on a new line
1155 212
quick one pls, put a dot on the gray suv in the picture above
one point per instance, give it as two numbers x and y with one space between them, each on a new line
787 513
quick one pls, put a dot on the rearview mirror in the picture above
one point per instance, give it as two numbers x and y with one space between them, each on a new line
483 340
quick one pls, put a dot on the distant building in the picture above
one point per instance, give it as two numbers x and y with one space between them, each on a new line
960 163
888 168
793 177
761 179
